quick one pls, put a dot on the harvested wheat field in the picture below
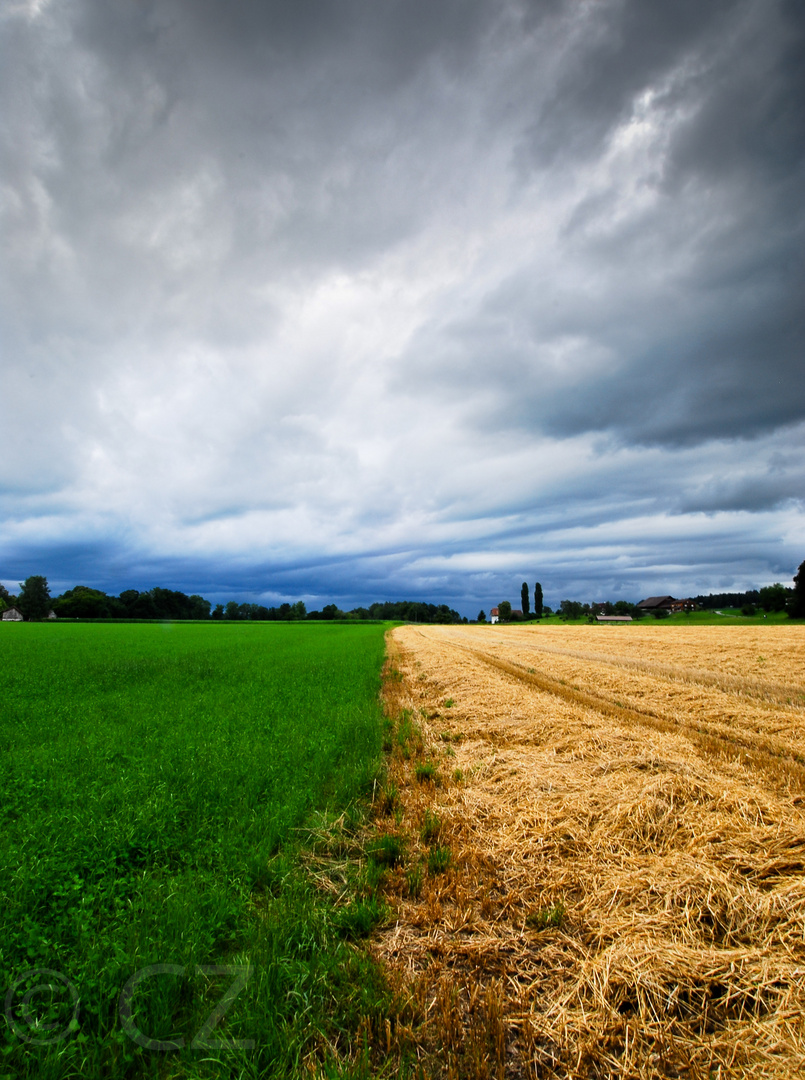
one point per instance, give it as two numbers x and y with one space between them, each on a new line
604 838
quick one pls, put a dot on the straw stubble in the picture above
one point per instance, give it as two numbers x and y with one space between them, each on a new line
626 893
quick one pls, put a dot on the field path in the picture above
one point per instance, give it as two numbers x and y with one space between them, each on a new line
627 891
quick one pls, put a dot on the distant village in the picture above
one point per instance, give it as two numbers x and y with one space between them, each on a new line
771 598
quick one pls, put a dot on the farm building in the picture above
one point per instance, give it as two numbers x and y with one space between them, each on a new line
13 614
657 603
494 615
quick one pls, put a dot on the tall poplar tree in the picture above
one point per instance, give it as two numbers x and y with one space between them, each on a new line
524 599
538 600
798 601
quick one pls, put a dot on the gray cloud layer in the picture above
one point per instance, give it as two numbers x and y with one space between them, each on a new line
350 301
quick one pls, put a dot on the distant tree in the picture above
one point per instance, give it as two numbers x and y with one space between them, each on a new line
128 598
481 616
83 602
173 604
298 610
218 612
571 609
445 615
729 600
538 606
524 601
504 611
34 598
797 609
5 595
144 607
198 607
774 597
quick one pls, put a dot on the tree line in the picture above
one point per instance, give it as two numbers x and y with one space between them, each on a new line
775 597
83 602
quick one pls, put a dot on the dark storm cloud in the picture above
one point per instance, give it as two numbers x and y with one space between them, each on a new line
621 50
695 301
361 300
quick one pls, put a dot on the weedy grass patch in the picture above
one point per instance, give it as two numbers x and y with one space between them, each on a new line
439 859
431 826
153 779
543 918
427 772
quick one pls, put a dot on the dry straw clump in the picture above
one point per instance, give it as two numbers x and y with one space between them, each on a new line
625 891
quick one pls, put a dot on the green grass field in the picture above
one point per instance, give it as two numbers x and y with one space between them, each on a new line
152 780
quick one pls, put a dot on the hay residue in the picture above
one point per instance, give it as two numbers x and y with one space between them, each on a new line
623 898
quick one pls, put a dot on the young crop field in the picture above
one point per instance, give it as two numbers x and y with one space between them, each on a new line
600 851
154 916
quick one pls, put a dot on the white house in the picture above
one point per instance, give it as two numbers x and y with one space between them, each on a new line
13 614
494 615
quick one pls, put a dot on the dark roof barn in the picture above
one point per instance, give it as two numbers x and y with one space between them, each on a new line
653 603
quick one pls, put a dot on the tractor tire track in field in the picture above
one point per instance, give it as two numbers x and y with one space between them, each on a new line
769 693
758 752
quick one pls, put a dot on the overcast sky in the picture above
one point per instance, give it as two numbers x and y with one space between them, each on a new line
352 300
